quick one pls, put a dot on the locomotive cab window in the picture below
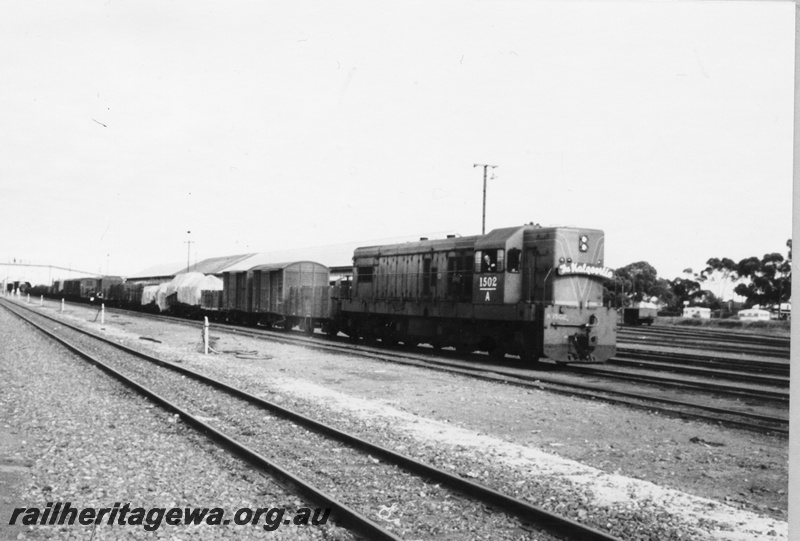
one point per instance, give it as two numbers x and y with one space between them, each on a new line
489 261
514 260
364 275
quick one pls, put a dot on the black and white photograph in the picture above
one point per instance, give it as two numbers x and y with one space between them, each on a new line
470 270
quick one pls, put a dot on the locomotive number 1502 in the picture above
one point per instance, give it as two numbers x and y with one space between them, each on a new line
487 281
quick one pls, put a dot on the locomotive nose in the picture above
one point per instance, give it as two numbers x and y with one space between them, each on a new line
573 335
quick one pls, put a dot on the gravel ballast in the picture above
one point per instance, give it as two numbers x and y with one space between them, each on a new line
92 443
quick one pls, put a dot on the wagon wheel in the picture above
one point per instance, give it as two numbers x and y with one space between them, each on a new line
529 356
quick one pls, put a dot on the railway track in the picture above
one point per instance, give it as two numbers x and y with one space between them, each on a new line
676 360
744 392
720 342
741 407
715 372
708 333
257 430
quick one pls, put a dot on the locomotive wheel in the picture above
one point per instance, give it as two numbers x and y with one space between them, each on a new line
331 330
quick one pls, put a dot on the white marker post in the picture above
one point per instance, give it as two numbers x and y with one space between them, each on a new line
62 305
29 298
41 300
205 334
102 314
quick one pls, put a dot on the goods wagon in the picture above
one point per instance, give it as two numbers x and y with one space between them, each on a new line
284 295
639 316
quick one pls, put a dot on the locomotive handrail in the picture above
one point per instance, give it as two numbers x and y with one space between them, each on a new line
581 325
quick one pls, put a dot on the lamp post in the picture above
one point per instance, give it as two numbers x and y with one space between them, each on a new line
485 168
188 250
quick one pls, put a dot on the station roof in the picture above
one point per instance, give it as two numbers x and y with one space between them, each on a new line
216 265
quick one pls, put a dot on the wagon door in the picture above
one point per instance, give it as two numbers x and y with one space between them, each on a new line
276 292
264 291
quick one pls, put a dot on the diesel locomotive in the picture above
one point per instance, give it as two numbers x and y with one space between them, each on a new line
529 291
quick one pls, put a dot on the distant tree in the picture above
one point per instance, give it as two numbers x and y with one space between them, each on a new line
636 282
769 279
663 290
719 271
707 299
684 290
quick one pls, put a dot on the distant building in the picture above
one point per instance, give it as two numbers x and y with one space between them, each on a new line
782 311
753 314
697 312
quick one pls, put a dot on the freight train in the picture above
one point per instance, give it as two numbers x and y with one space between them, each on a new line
529 291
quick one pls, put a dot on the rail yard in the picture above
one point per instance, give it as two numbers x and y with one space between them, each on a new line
664 440
458 271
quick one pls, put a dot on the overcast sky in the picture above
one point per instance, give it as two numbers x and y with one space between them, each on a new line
261 126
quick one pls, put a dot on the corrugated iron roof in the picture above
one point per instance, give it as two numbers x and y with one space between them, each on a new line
216 265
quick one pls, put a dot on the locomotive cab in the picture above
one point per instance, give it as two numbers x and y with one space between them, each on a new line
498 259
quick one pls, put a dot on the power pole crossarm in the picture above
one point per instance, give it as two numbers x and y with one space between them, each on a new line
485 169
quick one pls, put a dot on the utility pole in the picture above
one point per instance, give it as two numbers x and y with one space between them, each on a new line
188 250
485 168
